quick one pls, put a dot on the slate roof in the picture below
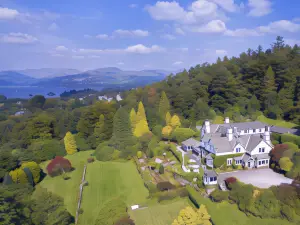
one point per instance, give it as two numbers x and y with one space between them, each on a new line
210 173
283 130
246 157
221 128
191 142
254 140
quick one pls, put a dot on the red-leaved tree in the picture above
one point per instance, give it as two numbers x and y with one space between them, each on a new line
58 165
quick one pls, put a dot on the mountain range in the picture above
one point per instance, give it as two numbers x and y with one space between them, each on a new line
70 78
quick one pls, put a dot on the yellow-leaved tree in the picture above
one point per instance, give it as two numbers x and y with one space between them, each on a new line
133 119
141 127
168 118
70 143
193 217
166 132
34 169
18 176
175 121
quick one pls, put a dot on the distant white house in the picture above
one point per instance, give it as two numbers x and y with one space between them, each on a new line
118 97
105 98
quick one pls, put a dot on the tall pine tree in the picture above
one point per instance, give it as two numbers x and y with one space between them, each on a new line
70 143
133 119
164 105
99 130
141 127
122 133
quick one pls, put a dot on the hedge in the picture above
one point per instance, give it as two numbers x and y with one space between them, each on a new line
290 138
220 160
176 153
194 196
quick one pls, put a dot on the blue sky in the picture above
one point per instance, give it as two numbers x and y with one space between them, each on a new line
139 34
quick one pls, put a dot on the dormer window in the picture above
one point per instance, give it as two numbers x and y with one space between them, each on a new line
238 149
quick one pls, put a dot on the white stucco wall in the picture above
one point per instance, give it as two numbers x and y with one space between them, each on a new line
262 144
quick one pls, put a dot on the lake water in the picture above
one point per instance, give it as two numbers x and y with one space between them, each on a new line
25 91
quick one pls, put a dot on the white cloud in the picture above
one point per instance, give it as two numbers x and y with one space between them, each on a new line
133 5
227 5
131 33
200 11
214 26
18 38
259 7
177 63
61 48
276 27
168 37
102 36
142 49
53 27
242 33
120 63
94 56
280 26
8 14
221 52
178 30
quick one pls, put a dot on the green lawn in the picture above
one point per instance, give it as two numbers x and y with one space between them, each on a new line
158 214
280 123
228 214
106 180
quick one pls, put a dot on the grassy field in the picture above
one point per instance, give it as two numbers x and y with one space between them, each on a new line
159 214
106 180
280 123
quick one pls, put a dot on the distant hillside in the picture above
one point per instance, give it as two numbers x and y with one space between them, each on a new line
110 77
48 72
10 78
106 78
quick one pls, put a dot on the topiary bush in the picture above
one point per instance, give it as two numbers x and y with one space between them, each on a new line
165 186
58 165
230 181
219 196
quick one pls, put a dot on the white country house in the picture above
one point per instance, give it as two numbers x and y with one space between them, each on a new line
249 139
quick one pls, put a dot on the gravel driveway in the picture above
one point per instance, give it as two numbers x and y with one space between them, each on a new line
262 178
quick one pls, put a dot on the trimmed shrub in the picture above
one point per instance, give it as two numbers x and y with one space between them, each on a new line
161 169
34 169
219 196
163 196
104 153
181 134
125 221
165 186
230 181
58 165
290 138
112 212
90 160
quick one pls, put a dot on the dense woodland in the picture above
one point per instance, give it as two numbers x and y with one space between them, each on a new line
258 82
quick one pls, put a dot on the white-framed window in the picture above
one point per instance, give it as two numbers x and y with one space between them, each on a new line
238 162
267 161
238 149
259 162
229 162
263 149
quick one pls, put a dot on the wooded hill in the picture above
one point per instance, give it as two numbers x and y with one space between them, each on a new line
239 87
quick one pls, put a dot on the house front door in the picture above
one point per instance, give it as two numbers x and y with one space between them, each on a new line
249 164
